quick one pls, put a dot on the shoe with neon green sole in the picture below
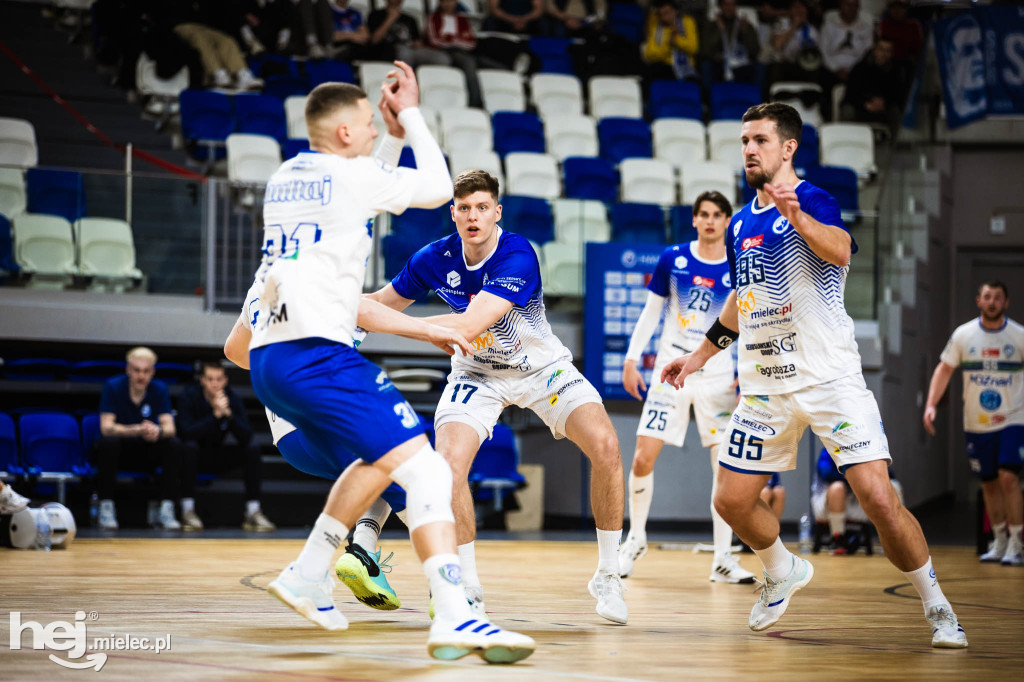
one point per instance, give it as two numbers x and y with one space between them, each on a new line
364 574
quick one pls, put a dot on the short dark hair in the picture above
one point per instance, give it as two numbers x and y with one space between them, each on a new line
788 123
210 364
995 284
716 198
327 97
471 181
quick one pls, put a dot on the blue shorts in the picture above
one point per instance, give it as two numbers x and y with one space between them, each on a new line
989 452
298 452
344 404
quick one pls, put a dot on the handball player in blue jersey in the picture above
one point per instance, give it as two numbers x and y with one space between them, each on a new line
798 365
490 278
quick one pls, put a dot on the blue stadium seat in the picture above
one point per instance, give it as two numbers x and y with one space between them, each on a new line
260 115
206 120
528 216
175 372
554 54
837 181
680 220
627 20
623 138
329 70
397 252
265 65
9 462
95 371
50 442
420 226
675 99
36 369
90 433
516 131
495 469
808 153
638 223
587 178
55 192
8 265
731 100
292 147
286 85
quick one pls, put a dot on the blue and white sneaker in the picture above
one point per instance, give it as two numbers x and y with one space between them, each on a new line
775 595
450 640
946 630
311 599
1014 555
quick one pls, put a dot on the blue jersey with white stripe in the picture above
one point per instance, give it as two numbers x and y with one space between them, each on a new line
794 329
522 340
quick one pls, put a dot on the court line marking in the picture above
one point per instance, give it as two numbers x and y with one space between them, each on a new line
893 590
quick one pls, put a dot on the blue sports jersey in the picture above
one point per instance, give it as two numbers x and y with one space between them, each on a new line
521 341
794 329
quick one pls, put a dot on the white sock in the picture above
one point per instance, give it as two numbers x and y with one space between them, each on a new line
367 530
445 577
641 492
836 523
927 585
999 530
251 507
187 504
467 559
608 550
315 559
1015 532
778 561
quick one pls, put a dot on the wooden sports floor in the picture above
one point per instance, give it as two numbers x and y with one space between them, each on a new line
856 620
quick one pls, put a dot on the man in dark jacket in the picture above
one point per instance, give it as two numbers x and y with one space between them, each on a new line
876 88
208 412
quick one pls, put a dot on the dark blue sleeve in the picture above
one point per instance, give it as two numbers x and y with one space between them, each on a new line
413 282
824 208
514 275
107 399
161 398
662 272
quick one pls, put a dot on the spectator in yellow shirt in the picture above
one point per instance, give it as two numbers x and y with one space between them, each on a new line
671 43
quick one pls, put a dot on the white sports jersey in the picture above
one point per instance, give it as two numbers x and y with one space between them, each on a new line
522 340
317 215
992 363
794 329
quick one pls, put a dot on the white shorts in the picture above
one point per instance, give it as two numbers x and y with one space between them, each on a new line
477 399
666 413
765 429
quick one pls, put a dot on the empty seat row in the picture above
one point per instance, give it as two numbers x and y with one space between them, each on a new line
46 442
40 190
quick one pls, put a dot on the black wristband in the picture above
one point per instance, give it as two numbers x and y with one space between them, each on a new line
721 336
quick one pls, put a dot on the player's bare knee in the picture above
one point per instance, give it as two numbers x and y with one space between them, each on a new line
643 463
605 451
882 506
1009 479
727 506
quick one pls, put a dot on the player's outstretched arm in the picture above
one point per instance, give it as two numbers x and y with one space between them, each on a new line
377 317
389 297
829 243
236 346
482 312
940 380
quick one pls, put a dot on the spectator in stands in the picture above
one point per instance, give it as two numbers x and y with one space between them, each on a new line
449 31
137 433
846 36
350 32
221 57
796 48
905 32
515 16
876 88
395 35
729 48
208 414
576 18
266 25
313 28
774 495
671 45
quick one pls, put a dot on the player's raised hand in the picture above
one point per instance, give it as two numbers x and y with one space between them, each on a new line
448 340
394 128
785 200
405 91
632 381
929 419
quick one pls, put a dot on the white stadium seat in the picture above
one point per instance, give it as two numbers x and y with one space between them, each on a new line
724 143
106 250
501 90
615 96
532 175
18 143
789 92
295 114
570 135
703 176
848 144
647 181
371 75
12 192
467 159
580 221
679 140
468 129
562 269
44 249
252 158
556 93
442 87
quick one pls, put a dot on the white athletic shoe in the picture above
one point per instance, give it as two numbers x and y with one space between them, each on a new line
10 501
727 569
1014 555
946 630
630 552
475 598
165 518
775 595
311 599
450 640
996 550
607 589
108 515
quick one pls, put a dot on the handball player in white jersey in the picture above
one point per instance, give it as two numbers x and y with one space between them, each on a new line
490 278
789 253
318 215
690 285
